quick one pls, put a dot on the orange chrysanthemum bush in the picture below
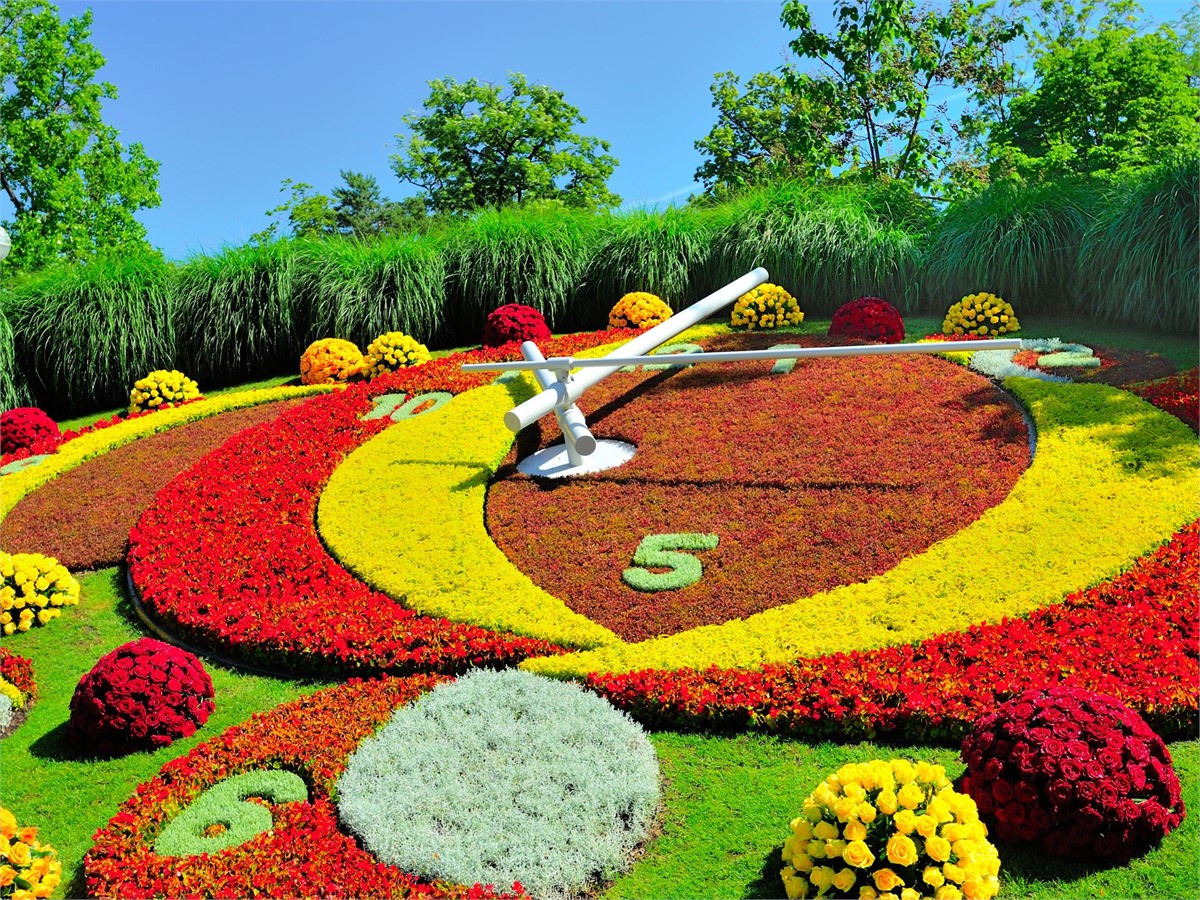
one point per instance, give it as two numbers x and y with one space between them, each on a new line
894 830
331 361
981 314
638 310
28 868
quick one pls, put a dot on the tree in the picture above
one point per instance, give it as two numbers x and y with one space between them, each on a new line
477 147
1112 104
361 210
881 69
73 187
304 214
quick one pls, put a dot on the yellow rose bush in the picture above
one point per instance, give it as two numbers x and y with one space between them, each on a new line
159 387
33 588
981 314
638 310
893 830
393 350
28 868
767 306
331 361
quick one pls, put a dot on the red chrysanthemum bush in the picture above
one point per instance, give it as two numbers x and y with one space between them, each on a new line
1076 773
868 319
25 426
514 322
143 694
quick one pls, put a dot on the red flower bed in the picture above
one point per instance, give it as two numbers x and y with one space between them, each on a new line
1135 638
82 518
514 322
24 427
1074 772
18 671
868 319
1177 394
848 496
144 694
229 557
304 854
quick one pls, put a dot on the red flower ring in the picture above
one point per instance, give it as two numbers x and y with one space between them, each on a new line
304 854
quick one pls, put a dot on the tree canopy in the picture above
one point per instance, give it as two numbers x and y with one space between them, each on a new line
478 146
73 187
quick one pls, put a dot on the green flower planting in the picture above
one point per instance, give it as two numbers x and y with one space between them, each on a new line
659 551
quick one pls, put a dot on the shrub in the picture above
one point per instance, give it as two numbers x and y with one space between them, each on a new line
160 388
514 322
868 319
33 867
503 777
25 426
394 350
329 361
33 588
891 827
141 695
981 314
1076 773
767 306
638 310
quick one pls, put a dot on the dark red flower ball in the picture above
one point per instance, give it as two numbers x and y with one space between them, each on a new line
514 322
868 319
1076 773
25 426
142 695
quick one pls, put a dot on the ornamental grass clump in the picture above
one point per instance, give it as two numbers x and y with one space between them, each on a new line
33 590
28 868
331 361
26 427
981 314
161 388
1074 773
393 350
889 829
868 319
142 695
767 306
638 310
514 322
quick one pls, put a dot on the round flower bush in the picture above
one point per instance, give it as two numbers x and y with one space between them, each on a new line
501 777
143 694
33 589
514 322
330 361
981 314
28 868
25 426
638 310
896 828
767 306
159 388
394 350
868 319
1076 773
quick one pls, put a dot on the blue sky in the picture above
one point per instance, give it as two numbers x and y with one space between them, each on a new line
233 97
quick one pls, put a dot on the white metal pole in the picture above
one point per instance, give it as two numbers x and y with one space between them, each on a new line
564 393
571 422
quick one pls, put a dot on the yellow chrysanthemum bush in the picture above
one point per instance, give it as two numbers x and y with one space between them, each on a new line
393 350
331 361
33 589
160 387
639 310
982 314
767 306
892 830
28 868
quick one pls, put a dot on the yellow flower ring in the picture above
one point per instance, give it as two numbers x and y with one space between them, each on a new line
1112 477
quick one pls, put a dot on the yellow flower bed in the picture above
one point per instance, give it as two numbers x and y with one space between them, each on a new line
982 313
767 306
331 361
159 387
33 588
13 693
394 350
78 451
1113 476
28 868
638 310
870 826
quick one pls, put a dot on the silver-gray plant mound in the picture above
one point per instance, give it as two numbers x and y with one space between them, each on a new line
6 710
501 777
